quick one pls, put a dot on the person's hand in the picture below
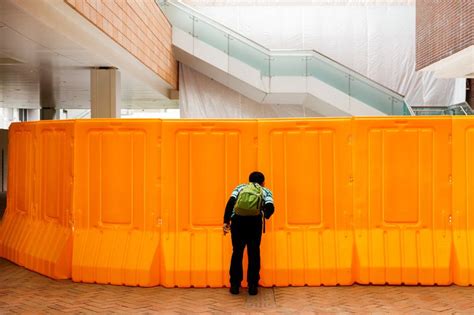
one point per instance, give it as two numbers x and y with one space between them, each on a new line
226 228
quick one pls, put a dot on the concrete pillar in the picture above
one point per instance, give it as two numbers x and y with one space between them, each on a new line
105 93
47 100
48 113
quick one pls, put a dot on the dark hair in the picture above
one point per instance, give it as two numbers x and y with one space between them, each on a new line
256 177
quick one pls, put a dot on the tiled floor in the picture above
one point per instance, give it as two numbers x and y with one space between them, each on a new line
23 291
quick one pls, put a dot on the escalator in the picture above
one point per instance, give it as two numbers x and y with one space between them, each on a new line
276 76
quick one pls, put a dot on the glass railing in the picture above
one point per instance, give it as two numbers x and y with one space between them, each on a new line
273 63
456 109
461 109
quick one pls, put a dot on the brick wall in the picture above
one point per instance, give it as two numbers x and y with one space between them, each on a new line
137 25
443 27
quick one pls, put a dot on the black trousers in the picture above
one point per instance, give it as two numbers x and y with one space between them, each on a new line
245 231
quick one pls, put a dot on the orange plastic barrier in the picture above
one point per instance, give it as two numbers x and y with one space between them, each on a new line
20 213
36 230
202 162
463 201
140 202
402 200
309 241
117 215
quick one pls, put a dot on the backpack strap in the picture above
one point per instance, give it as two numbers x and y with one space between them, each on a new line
262 207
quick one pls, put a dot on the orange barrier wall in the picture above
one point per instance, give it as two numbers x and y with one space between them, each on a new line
463 201
202 162
366 200
117 206
36 231
308 166
402 198
20 197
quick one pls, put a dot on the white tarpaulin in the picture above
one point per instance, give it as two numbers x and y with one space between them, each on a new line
202 97
376 40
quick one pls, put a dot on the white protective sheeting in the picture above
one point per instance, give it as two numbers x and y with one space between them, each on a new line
377 40
202 97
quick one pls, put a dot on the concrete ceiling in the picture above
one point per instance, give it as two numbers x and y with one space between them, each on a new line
37 56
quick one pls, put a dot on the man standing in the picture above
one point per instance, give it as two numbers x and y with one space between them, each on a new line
247 205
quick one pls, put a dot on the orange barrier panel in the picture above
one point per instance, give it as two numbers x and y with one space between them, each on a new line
369 200
117 211
202 162
20 212
309 240
463 201
36 232
402 200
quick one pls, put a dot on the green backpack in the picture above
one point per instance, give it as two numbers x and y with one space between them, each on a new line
249 201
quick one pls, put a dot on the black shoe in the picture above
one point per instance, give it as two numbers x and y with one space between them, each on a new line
253 289
234 289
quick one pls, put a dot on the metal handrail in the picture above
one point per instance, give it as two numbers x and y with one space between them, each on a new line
445 110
